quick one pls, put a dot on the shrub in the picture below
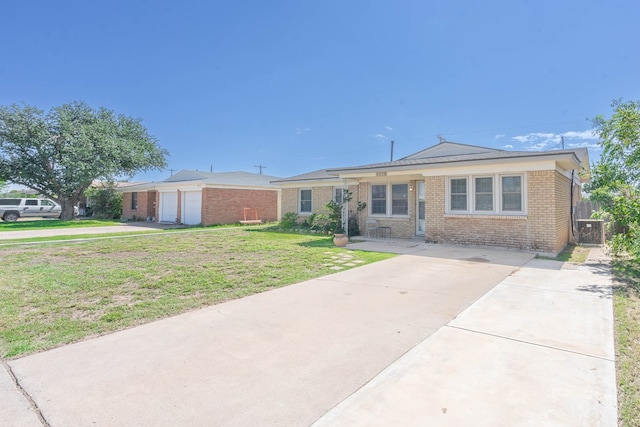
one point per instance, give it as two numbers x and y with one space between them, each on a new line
289 220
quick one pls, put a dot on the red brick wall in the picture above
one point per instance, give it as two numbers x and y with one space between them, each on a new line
152 204
146 205
226 206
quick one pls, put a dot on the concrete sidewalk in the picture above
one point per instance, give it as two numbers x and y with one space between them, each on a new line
437 336
75 231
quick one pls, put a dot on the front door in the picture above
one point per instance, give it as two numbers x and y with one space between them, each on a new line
420 220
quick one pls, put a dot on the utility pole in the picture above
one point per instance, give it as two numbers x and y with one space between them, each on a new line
260 167
442 139
562 139
211 169
392 150
172 171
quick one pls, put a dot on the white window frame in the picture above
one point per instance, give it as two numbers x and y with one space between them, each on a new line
522 191
389 200
493 194
449 194
497 195
300 211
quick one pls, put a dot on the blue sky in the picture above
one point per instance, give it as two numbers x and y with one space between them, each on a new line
303 85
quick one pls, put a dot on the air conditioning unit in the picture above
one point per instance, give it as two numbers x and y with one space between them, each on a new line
591 231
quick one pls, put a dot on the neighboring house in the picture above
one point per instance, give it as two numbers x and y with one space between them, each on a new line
306 194
85 204
193 197
457 193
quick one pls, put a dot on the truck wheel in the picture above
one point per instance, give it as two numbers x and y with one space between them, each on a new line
11 216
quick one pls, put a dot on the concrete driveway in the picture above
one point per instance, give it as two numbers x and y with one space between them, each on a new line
399 342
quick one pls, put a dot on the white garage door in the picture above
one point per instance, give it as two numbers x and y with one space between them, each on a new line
168 207
192 207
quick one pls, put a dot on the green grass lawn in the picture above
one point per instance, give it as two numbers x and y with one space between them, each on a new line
626 306
55 223
572 253
57 293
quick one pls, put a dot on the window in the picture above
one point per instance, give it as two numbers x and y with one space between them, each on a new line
46 203
32 202
484 194
459 194
512 193
400 199
487 195
379 199
134 200
396 205
338 195
305 201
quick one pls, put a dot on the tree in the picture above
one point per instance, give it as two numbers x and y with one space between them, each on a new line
60 153
615 180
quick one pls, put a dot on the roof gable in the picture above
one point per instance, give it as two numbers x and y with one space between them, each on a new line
445 149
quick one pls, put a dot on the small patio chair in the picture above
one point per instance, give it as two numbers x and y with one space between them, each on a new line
372 226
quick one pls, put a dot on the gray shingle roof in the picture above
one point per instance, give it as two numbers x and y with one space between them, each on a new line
319 175
224 178
407 163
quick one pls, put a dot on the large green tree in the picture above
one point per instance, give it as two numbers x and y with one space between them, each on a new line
615 178
61 152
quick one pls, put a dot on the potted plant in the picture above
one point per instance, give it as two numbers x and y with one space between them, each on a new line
340 239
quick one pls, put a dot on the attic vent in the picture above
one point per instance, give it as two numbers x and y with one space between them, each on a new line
381 174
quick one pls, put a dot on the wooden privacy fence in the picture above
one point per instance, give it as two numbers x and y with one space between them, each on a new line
588 230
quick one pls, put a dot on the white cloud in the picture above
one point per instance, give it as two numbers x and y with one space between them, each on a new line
388 127
379 136
500 135
585 134
508 146
589 145
537 141
302 130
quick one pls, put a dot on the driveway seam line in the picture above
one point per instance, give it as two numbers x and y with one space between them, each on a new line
530 343
573 292
24 392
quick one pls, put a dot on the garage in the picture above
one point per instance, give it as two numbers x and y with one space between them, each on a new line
168 207
192 207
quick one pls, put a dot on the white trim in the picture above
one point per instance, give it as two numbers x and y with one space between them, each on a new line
493 194
389 199
497 195
523 194
300 211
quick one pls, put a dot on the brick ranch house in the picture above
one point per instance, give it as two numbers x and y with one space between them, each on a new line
459 194
193 197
